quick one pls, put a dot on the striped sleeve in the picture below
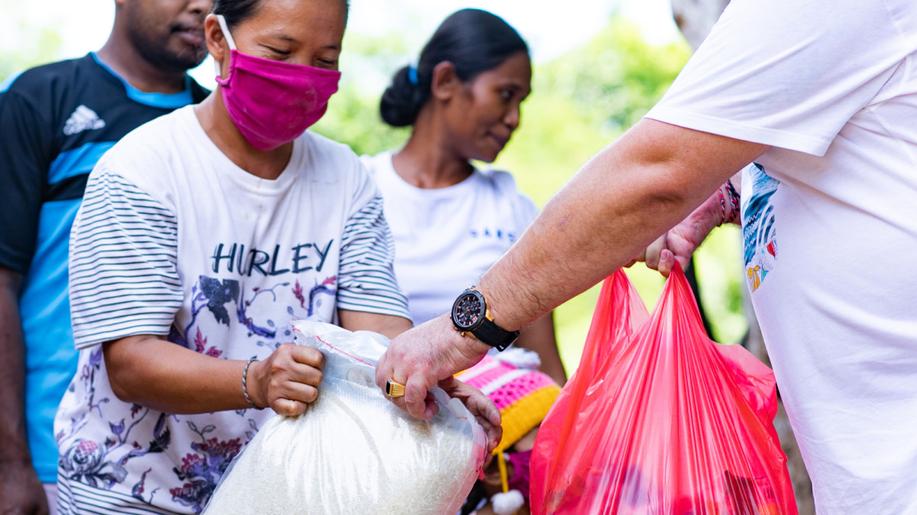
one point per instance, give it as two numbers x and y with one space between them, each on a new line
123 263
367 277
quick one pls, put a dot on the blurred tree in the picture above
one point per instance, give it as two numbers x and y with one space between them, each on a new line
616 77
42 46
353 114
695 18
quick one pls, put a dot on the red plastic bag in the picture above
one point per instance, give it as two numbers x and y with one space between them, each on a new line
658 419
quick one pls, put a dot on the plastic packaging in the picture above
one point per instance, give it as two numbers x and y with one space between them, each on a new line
353 451
658 419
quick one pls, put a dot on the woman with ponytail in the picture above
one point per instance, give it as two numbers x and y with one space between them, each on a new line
450 219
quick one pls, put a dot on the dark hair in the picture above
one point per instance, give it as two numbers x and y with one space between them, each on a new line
473 40
237 11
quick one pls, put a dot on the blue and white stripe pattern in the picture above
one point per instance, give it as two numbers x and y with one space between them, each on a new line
77 498
124 279
367 277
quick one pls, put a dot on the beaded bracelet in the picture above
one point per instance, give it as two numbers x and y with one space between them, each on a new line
736 200
248 399
730 202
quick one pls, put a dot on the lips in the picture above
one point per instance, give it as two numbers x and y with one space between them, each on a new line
191 34
501 140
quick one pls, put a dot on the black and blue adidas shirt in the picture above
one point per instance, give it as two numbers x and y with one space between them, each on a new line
56 121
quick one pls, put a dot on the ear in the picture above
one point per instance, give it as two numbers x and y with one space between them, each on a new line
445 83
216 43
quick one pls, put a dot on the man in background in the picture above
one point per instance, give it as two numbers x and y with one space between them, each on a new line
56 120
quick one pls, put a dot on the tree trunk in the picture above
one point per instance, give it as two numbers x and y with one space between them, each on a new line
695 18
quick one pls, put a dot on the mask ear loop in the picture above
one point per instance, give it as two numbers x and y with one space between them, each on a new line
225 28
229 41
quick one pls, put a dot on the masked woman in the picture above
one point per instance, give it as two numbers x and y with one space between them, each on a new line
202 235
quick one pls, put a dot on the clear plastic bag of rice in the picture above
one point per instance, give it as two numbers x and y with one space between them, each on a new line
353 451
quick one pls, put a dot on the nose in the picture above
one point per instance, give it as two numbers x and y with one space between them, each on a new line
512 116
200 7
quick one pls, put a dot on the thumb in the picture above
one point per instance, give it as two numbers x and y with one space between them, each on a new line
666 262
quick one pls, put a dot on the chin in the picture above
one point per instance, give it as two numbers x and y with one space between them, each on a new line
189 58
487 156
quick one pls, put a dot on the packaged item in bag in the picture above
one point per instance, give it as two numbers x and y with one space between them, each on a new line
353 451
659 419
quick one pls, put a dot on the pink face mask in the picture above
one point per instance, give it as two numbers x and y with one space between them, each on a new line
272 102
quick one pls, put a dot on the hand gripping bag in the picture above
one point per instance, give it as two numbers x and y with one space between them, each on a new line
659 419
353 451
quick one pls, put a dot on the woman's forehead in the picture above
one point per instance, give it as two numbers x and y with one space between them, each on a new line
298 20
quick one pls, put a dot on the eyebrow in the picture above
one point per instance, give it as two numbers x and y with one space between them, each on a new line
283 37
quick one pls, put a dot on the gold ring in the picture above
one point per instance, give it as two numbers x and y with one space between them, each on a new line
394 389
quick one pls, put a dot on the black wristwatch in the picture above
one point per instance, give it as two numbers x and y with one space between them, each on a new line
470 315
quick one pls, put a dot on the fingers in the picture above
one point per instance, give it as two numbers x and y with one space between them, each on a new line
488 410
415 397
304 374
653 252
477 403
488 416
298 392
480 406
306 355
384 369
293 377
288 407
666 262
494 435
684 261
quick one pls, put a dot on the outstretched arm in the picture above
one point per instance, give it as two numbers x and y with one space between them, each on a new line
621 200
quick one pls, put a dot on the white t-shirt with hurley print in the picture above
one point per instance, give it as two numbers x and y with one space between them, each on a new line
175 240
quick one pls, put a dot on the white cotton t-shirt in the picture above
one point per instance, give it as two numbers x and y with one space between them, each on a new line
446 238
830 223
174 239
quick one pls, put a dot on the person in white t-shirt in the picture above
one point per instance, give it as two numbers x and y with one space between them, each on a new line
202 235
450 220
822 96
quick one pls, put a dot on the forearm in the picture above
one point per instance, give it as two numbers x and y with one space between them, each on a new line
618 203
14 445
386 325
164 376
539 337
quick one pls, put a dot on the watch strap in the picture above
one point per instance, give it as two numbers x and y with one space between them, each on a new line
494 335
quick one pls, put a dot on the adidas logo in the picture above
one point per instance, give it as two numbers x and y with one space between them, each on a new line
83 119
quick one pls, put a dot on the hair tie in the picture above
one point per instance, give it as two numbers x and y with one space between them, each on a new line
412 76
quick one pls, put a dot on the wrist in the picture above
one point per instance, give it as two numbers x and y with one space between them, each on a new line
729 203
464 343
498 308
254 385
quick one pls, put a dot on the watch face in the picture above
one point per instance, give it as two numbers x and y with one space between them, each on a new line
468 310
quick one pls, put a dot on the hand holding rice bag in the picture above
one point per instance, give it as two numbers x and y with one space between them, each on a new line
353 451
